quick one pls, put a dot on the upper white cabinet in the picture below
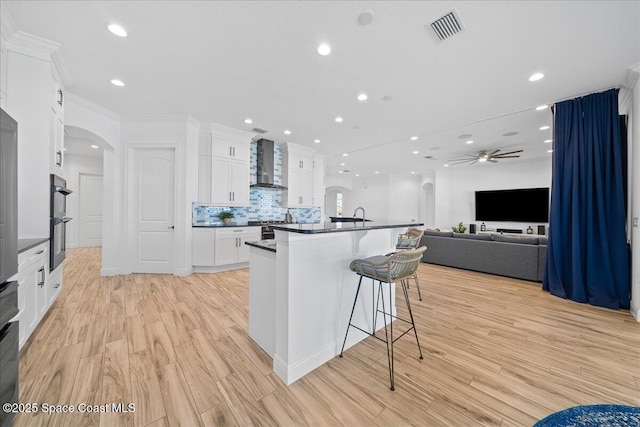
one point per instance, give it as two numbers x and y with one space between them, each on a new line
56 152
298 176
223 174
3 72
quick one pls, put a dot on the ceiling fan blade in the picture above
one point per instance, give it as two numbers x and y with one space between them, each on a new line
460 162
492 161
493 153
463 159
507 157
506 154
473 162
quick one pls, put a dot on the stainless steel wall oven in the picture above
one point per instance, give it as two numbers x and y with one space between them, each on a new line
58 221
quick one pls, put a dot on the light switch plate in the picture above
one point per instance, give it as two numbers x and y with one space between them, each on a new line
635 221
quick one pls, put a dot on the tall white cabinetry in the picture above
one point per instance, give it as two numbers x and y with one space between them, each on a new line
57 123
223 166
298 176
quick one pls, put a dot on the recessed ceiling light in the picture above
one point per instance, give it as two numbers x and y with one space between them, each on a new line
416 152
362 97
287 132
544 127
117 30
447 165
317 141
542 107
413 138
546 141
324 49
357 174
413 172
117 82
535 77
248 121
339 171
94 146
338 119
341 164
549 151
470 141
64 149
366 17
345 154
377 172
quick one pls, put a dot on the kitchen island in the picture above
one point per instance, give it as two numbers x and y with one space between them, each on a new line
300 296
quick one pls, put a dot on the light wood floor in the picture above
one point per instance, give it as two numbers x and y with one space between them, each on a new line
497 351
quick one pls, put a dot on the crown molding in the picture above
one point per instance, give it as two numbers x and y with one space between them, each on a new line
7 26
222 128
91 106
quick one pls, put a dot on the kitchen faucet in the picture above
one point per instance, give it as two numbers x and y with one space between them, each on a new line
356 211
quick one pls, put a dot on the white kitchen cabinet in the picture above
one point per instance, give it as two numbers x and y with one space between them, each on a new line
297 176
203 246
230 245
32 278
54 285
57 144
3 72
223 171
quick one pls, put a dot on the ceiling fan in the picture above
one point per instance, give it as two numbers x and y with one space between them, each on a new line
484 156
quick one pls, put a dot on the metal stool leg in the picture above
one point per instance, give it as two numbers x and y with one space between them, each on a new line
415 277
389 342
355 300
413 323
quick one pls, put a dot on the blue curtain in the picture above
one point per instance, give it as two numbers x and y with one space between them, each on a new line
587 253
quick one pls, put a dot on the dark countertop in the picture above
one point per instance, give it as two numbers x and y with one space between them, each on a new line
267 245
26 244
333 227
221 225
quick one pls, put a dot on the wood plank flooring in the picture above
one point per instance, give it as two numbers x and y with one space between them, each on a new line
497 351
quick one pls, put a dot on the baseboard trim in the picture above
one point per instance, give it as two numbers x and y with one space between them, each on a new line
635 312
110 271
184 271
220 268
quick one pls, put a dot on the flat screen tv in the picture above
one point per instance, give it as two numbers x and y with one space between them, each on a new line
519 205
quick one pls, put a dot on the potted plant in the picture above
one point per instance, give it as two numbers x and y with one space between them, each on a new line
459 229
226 217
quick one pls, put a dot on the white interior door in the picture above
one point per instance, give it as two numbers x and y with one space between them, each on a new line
90 212
152 200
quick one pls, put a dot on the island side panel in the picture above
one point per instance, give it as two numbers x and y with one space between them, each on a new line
262 298
314 294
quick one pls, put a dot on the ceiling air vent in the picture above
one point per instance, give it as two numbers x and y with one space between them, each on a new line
258 130
429 157
447 26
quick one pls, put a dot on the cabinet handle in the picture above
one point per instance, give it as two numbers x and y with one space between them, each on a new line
59 158
61 97
234 151
41 251
41 282
229 195
230 151
233 198
56 286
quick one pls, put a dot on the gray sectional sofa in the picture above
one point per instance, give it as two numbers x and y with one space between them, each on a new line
522 257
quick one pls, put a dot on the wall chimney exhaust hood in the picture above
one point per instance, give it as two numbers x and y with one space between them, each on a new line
266 159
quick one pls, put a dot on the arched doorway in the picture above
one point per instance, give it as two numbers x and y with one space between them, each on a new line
427 205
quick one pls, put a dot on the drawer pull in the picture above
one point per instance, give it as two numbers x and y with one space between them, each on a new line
56 286
41 251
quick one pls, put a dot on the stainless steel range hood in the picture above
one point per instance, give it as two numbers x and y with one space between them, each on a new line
266 159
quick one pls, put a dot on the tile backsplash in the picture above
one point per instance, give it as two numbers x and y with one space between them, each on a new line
265 202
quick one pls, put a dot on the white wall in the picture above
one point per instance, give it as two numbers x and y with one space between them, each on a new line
404 198
74 165
634 191
372 194
104 126
465 181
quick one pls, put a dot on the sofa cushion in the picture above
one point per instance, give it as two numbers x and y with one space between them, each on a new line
473 236
543 240
524 240
439 233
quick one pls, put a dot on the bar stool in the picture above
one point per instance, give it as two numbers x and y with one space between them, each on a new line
410 240
397 267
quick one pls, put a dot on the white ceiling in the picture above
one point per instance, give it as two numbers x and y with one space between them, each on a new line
225 61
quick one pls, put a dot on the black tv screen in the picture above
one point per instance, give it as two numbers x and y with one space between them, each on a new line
520 205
